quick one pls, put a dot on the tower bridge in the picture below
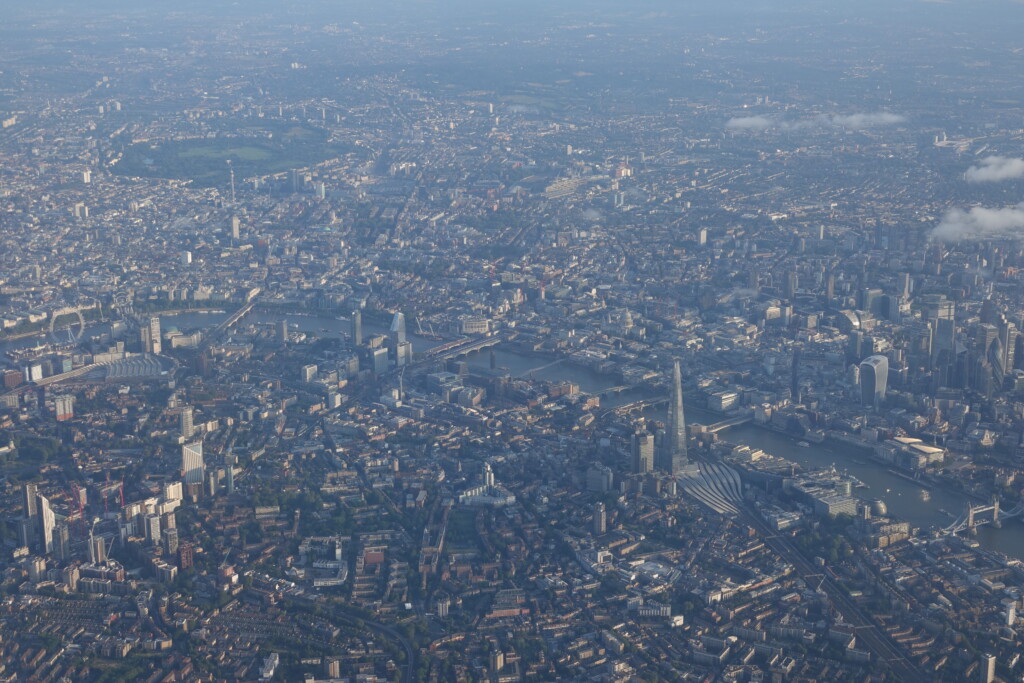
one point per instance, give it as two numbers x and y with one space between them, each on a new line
978 515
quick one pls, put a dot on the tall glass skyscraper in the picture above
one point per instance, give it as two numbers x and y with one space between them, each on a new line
674 455
874 376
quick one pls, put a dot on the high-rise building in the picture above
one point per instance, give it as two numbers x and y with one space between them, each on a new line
397 335
794 378
62 542
600 478
151 342
874 375
97 549
185 422
357 328
987 670
674 455
229 473
790 284
28 492
403 354
282 331
379 360
170 538
70 577
236 226
64 407
152 527
47 523
309 372
643 453
192 462
600 519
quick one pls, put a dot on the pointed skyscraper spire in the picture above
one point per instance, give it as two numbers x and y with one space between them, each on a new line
675 457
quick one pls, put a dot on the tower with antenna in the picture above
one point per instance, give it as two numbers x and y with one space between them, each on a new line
231 170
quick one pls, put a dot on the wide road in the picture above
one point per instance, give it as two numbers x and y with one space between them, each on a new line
881 646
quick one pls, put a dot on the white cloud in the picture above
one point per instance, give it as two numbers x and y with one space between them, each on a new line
750 123
995 168
980 222
866 120
858 120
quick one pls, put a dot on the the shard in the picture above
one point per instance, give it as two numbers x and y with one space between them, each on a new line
674 457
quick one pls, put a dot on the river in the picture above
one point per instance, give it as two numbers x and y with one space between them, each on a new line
905 499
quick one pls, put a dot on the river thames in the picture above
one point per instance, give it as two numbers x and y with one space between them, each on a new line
922 506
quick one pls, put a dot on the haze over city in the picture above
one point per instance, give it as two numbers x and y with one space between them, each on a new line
511 341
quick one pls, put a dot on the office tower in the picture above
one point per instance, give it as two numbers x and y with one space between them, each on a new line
674 456
856 345
794 380
236 227
309 372
185 422
870 299
754 279
600 519
192 462
643 453
904 285
282 331
942 313
356 330
403 354
1008 335
398 329
790 285
151 336
874 374
379 361
64 408
600 478
989 312
28 492
229 473
47 522
186 258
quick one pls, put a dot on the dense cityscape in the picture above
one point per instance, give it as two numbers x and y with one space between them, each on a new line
471 342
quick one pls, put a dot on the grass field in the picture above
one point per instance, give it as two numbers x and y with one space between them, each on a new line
205 160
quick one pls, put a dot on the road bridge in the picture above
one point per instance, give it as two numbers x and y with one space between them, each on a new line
978 515
731 422
216 333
